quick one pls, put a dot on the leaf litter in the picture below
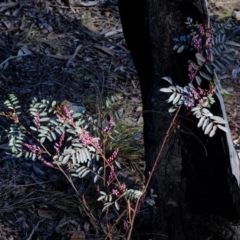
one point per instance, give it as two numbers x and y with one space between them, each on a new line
54 51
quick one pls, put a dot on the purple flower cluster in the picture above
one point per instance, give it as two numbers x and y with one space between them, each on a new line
209 42
116 192
142 199
36 149
126 225
37 118
210 37
114 155
191 71
111 174
32 148
60 118
45 162
67 112
109 126
58 145
196 43
234 126
202 30
123 187
208 55
87 139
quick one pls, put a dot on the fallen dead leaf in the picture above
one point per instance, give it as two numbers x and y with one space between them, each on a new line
105 49
45 214
78 236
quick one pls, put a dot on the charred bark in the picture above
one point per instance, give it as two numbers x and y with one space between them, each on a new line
209 186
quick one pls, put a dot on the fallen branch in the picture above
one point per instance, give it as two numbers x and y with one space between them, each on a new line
13 57
233 156
34 229
73 56
77 3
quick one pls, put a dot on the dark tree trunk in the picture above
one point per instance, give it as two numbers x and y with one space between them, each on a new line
210 189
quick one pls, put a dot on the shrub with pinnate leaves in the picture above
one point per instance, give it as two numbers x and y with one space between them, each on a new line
77 144
213 52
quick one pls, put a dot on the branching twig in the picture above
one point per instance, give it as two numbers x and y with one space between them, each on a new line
13 57
152 171
73 56
34 229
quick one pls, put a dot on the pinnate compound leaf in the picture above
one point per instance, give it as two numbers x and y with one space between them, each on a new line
33 128
96 178
208 128
176 46
65 159
223 128
213 131
116 205
106 206
205 75
216 66
198 80
85 173
218 119
205 123
133 194
172 109
200 57
177 98
54 103
232 43
80 169
167 90
181 49
171 97
101 198
209 68
201 121
118 164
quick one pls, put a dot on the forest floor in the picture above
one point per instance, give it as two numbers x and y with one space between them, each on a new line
76 56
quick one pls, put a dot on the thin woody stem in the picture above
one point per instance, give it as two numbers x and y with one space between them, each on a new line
153 170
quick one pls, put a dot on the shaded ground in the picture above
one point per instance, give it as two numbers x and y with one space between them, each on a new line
49 50
76 56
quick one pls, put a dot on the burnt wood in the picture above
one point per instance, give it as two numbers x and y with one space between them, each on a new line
206 182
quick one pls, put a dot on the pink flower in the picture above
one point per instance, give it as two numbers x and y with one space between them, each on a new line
109 126
67 112
196 43
111 174
126 225
200 101
115 192
58 145
142 199
45 162
60 118
202 31
87 139
37 118
191 71
114 155
123 187
32 148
